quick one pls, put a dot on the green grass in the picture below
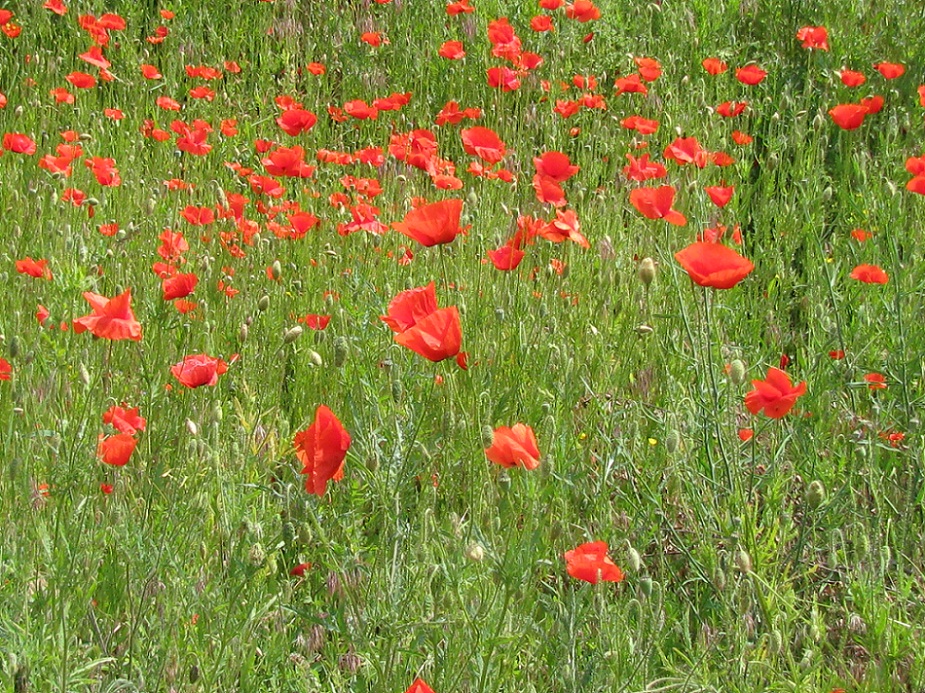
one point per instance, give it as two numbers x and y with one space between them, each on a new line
427 559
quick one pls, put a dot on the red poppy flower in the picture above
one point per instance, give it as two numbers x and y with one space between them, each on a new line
873 104
506 258
56 6
432 224
6 370
34 268
452 50
590 562
300 570
112 318
714 265
730 109
655 203
541 23
775 395
720 195
18 143
686 150
582 10
890 70
322 448
631 84
642 169
116 450
750 75
166 103
514 446
875 381
150 72
849 116
643 126
81 80
814 37
714 66
483 143
555 165
870 274
850 78
649 69
419 687
434 333
295 121
179 286
125 420
197 370
916 185
741 138
564 226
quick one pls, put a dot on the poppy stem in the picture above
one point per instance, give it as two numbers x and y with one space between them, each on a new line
711 368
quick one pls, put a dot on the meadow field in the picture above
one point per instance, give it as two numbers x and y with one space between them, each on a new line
462 347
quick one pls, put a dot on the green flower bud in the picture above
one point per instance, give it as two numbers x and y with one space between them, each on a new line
263 303
672 441
488 436
257 555
340 351
743 561
276 270
737 372
815 494
646 271
292 334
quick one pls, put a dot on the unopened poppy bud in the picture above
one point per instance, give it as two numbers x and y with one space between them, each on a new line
14 347
243 332
818 122
372 463
398 391
504 482
827 193
743 561
773 160
499 314
472 198
18 111
85 137
217 413
192 428
672 441
150 203
276 270
488 436
305 534
806 663
646 585
289 535
292 334
719 579
475 552
263 303
257 556
84 375
737 372
644 330
815 494
340 351
314 358
646 271
633 559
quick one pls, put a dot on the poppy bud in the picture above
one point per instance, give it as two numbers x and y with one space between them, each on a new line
242 333
488 436
475 552
672 441
372 463
276 269
633 559
827 193
18 111
289 535
504 482
818 122
807 662
192 428
737 372
314 358
815 494
472 199
217 413
743 561
263 303
305 534
54 197
340 351
644 330
397 391
646 586
149 206
84 375
14 347
292 334
499 314
646 271
719 580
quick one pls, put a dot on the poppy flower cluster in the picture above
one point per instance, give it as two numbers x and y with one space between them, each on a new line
434 333
116 449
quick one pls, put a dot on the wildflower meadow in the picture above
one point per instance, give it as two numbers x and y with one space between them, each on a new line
476 346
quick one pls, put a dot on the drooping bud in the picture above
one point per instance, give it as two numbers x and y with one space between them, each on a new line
743 561
276 270
633 559
292 334
263 303
314 358
488 436
646 271
672 441
475 552
340 351
242 333
737 372
815 494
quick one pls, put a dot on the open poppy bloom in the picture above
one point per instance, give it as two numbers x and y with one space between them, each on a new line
198 370
125 420
655 203
751 75
6 370
432 224
322 448
714 265
506 258
870 274
775 395
849 116
419 687
590 562
814 37
434 333
483 143
116 450
514 446
112 318
34 268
